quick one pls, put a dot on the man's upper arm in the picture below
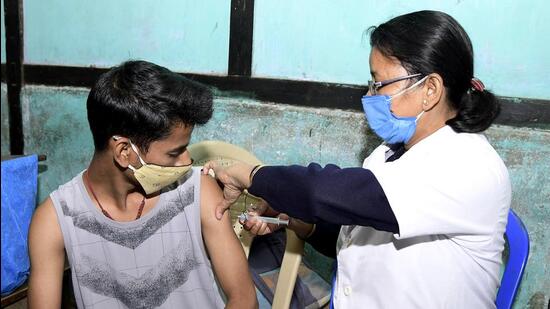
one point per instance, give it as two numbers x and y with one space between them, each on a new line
224 249
47 256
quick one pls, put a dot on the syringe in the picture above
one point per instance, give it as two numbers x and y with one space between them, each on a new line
244 217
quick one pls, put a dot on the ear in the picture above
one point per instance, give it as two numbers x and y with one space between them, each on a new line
120 147
433 91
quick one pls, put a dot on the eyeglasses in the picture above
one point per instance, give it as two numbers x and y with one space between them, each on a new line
374 86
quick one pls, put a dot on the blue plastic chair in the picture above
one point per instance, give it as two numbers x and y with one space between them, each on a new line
518 244
332 289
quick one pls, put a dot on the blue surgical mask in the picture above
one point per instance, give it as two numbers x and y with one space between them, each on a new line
391 128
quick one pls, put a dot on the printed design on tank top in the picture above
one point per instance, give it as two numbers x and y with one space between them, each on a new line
149 290
131 238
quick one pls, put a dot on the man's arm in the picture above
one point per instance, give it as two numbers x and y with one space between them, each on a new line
47 256
226 253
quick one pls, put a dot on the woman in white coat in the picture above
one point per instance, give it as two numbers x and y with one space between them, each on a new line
421 224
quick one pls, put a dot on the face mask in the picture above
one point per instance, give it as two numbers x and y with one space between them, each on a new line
153 178
391 128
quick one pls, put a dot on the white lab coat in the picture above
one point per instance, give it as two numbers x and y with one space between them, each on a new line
450 194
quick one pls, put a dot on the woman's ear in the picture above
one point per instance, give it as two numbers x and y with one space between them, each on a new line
434 90
120 149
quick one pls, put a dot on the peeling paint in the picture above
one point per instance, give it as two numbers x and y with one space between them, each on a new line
536 301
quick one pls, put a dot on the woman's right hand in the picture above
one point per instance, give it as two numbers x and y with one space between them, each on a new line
258 227
301 228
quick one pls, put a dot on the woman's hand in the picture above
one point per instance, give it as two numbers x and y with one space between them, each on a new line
257 227
235 179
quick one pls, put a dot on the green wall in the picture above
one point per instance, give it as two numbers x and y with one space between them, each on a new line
190 36
5 124
3 33
323 40
55 124
318 40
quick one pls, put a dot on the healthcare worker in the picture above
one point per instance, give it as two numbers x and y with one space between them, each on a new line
422 222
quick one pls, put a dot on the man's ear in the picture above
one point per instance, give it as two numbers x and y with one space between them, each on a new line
434 91
120 147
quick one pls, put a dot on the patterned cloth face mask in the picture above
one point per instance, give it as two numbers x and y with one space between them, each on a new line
391 128
153 178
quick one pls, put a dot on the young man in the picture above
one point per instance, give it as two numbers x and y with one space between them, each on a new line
138 225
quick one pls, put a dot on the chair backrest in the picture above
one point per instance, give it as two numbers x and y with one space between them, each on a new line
518 244
226 154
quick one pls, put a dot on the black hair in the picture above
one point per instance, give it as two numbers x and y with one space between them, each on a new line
143 101
433 42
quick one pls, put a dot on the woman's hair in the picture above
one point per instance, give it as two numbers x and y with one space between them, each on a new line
434 42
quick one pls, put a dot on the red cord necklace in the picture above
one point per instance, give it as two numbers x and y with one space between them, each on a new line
140 209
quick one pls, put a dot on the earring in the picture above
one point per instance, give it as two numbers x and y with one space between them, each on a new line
425 102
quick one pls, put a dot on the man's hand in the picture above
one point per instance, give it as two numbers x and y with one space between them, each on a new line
235 179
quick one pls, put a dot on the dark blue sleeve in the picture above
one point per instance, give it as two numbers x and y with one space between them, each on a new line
342 196
324 238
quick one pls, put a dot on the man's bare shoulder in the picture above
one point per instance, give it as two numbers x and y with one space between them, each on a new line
209 185
44 222
45 211
211 195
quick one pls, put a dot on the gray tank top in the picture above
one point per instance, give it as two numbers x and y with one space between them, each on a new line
157 261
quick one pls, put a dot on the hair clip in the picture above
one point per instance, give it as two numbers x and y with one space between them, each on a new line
477 85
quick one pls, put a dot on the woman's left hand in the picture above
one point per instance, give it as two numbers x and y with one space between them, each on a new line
235 179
